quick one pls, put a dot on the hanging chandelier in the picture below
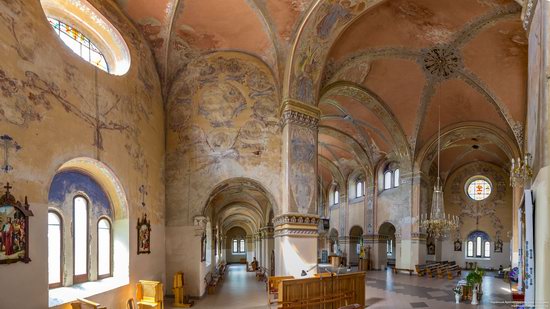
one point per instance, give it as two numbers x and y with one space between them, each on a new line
521 172
438 224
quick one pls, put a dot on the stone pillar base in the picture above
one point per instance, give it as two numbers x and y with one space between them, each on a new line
295 244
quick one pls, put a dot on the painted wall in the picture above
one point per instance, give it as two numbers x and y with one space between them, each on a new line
58 107
492 215
222 123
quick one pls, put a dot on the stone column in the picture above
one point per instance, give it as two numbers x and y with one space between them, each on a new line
258 247
267 246
296 224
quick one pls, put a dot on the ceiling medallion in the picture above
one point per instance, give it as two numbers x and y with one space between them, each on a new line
441 62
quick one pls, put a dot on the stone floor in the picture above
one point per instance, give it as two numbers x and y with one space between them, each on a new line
384 290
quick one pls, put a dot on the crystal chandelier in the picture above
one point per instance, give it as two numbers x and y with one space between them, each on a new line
438 224
521 171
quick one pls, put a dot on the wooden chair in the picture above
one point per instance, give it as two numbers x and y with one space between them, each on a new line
81 303
211 283
149 294
273 287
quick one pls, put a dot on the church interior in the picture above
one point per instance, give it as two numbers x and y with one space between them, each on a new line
274 154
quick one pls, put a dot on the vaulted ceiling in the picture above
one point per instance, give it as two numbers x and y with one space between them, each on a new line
390 73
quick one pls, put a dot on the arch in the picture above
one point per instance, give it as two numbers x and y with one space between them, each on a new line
355 237
240 183
387 245
88 20
375 104
114 191
453 133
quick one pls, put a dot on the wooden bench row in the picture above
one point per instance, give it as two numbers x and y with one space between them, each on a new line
439 269
212 280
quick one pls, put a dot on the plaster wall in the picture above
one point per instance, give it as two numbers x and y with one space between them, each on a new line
492 215
58 107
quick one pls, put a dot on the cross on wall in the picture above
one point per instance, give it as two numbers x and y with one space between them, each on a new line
8 143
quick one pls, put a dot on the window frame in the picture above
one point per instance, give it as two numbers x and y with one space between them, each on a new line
486 251
388 180
110 274
470 245
92 47
242 246
336 197
396 175
83 277
61 248
235 244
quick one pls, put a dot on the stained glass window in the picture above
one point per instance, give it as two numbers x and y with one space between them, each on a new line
479 189
79 44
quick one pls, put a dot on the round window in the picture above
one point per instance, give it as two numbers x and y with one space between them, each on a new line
478 188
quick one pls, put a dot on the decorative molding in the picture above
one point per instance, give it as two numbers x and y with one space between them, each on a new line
295 218
296 225
298 113
441 62
528 12
419 236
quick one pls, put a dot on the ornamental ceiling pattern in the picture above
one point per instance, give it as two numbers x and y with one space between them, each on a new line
469 57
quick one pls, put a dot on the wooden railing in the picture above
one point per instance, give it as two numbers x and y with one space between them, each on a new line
323 292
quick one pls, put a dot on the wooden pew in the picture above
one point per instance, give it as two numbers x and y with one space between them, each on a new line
452 271
431 269
442 271
323 292
420 269
211 283
397 270
272 287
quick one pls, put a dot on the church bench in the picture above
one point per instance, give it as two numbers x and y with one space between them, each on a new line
397 270
431 269
453 271
272 286
420 269
261 274
442 271
211 283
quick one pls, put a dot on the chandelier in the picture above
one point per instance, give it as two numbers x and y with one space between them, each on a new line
521 171
438 224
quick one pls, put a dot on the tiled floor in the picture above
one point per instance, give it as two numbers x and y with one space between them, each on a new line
384 290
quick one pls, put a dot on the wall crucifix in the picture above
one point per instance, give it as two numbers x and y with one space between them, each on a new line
143 194
8 143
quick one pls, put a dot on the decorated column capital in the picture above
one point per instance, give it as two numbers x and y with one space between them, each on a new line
199 222
296 225
299 113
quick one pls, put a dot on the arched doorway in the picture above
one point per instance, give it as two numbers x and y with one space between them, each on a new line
386 245
355 235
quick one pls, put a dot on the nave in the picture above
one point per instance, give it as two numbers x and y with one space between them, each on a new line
384 289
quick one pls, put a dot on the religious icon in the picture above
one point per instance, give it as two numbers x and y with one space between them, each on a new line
458 245
144 235
14 229
498 245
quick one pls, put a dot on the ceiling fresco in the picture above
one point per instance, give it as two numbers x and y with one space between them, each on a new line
381 72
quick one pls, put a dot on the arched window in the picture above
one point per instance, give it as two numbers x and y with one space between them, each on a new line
55 247
103 248
470 249
235 246
80 239
478 245
396 178
487 249
359 188
336 196
389 247
242 248
387 180
79 44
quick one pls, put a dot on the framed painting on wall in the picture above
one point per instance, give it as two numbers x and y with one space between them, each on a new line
458 245
14 229
143 235
498 245
431 248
